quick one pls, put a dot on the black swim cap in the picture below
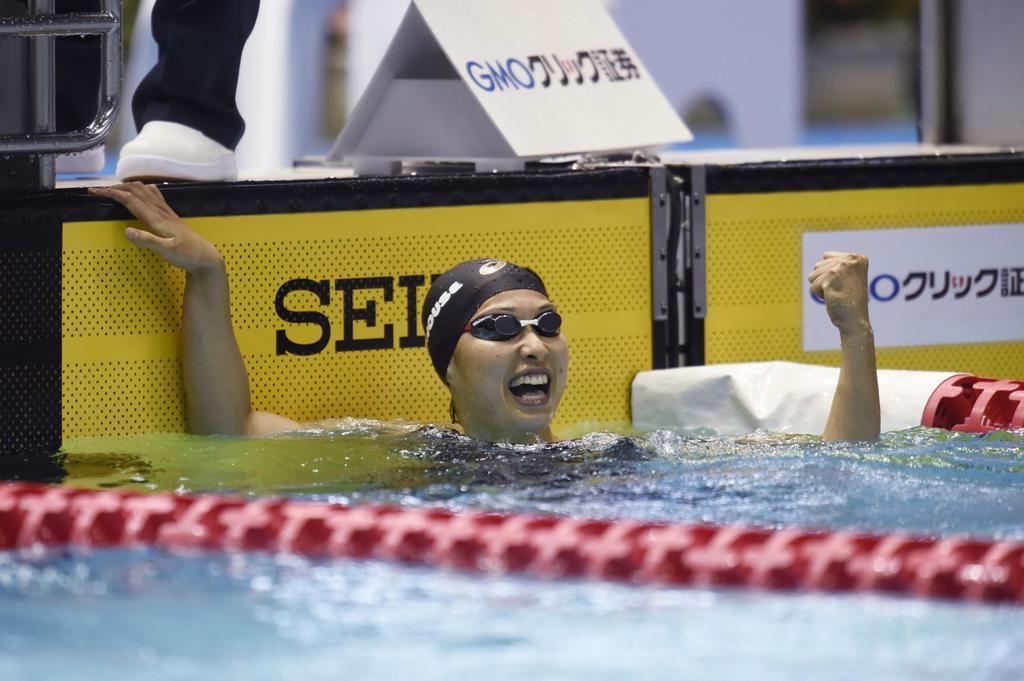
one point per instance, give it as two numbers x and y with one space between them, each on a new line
458 293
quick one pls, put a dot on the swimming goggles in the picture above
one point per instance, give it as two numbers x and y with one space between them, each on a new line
503 327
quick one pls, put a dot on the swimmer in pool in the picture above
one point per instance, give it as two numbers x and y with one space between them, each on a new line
493 335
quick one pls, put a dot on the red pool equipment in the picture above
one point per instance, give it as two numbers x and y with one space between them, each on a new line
545 547
976 405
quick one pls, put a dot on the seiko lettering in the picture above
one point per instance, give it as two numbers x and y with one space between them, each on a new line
377 291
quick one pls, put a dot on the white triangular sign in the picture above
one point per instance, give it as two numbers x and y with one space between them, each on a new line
499 82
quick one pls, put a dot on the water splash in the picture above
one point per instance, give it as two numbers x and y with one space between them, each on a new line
920 480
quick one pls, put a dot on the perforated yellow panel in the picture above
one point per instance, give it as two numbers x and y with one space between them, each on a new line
122 308
755 285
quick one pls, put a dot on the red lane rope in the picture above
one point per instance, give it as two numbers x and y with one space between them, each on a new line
975 405
625 551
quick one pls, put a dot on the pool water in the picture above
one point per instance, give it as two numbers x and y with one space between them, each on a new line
922 480
151 614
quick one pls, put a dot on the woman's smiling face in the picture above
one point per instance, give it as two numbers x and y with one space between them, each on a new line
508 391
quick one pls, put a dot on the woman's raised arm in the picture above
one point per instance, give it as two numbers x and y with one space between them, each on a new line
841 279
217 396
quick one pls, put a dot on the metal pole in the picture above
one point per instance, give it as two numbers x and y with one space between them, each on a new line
937 116
106 24
43 110
110 54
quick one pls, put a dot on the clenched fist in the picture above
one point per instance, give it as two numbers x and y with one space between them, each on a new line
841 280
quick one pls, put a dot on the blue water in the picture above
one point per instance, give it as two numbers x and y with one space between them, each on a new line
921 480
147 614
155 615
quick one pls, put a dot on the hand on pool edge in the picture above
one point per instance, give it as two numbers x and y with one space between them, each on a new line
167 235
217 396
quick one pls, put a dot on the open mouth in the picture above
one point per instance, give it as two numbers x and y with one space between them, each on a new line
531 389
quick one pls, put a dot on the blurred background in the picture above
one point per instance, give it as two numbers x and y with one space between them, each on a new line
742 74
861 68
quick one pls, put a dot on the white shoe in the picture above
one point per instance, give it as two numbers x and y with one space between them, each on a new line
171 151
86 162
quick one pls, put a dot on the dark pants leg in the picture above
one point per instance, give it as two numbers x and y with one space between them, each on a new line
193 83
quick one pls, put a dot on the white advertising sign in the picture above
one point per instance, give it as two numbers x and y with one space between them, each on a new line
521 79
930 285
